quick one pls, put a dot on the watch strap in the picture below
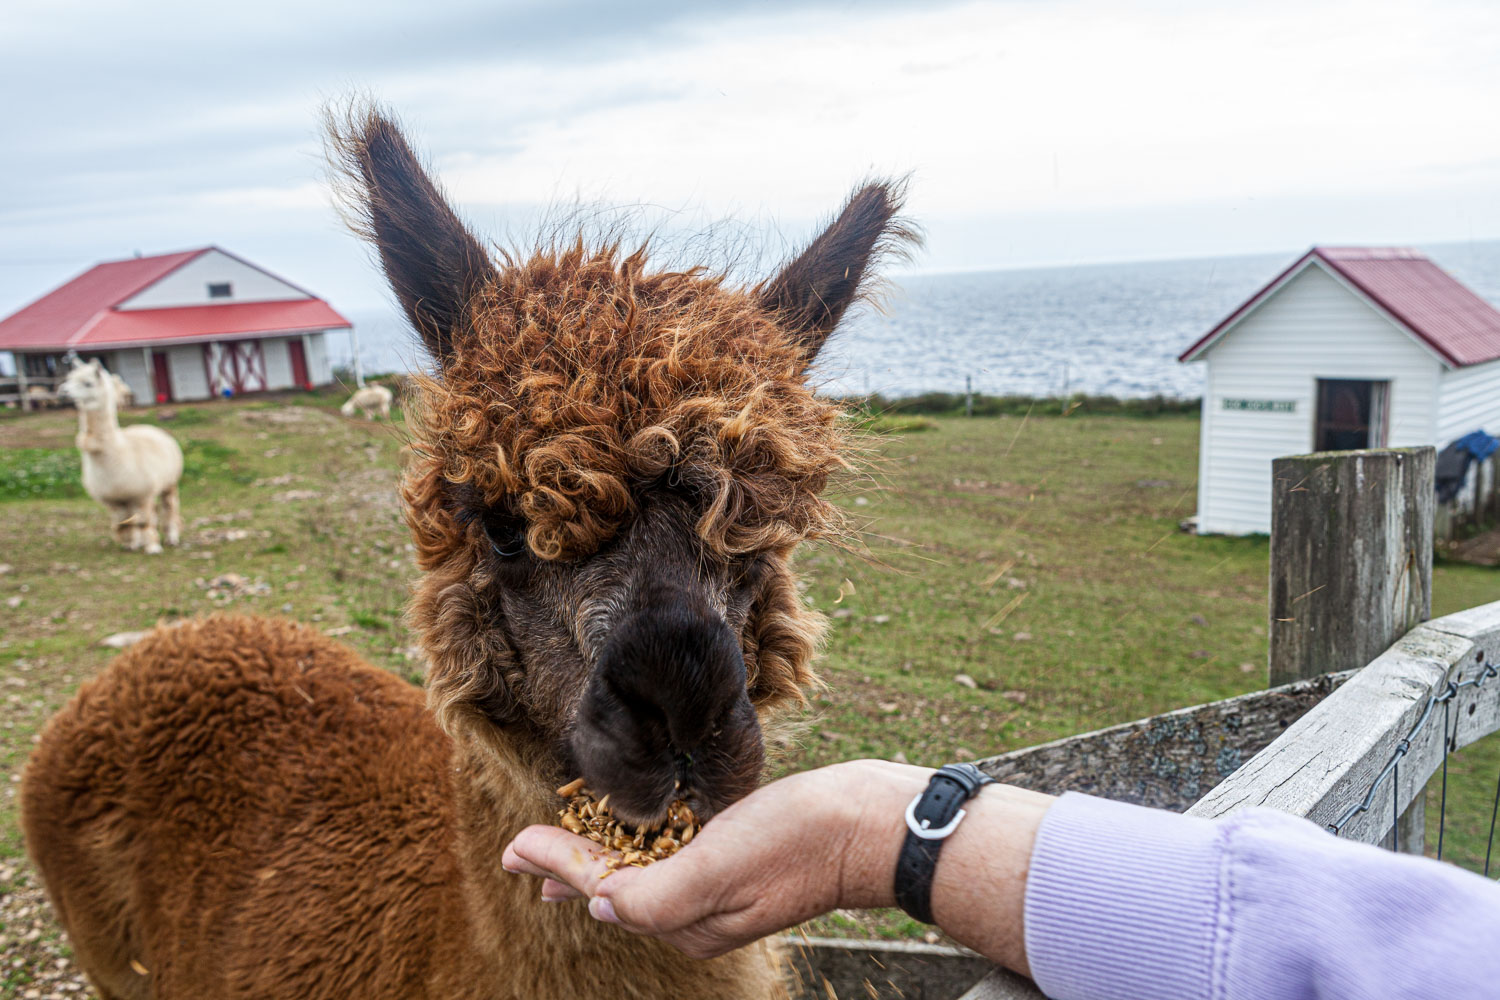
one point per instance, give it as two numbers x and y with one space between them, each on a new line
930 818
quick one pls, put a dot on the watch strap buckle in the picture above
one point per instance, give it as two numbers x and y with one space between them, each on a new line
923 828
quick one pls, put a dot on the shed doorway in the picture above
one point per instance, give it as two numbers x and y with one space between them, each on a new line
1351 414
299 364
161 376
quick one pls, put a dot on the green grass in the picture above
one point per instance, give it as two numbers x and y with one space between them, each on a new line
1039 555
39 474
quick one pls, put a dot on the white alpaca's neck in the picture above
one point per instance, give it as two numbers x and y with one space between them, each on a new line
98 426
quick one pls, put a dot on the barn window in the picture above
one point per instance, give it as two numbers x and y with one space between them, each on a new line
1351 414
219 290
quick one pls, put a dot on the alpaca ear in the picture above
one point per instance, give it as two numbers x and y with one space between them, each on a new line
434 264
813 291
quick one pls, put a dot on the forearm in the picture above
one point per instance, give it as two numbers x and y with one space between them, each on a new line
979 886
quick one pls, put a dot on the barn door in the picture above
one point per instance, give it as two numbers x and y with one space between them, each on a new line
161 377
299 364
235 365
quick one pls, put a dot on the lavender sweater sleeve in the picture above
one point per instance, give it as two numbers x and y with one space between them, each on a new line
1125 902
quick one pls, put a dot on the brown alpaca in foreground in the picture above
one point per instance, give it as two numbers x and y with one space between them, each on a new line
611 468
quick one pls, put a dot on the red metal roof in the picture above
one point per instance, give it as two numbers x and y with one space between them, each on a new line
1459 326
83 311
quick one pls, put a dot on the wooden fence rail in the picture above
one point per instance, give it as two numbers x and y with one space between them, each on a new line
1329 758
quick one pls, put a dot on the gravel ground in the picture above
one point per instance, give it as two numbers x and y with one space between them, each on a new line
35 960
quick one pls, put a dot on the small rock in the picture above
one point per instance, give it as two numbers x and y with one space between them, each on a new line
906 666
288 496
842 613
338 630
829 736
932 937
1019 697
861 501
1199 621
14 602
888 706
880 619
6 568
122 639
964 680
1015 583
1247 668
963 753
1022 637
899 758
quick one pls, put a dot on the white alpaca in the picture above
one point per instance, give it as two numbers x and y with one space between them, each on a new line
369 400
129 470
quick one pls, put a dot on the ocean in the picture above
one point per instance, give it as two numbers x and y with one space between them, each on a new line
1106 329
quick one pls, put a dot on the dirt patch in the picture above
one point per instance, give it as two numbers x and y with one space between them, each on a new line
1481 550
287 415
35 963
983 487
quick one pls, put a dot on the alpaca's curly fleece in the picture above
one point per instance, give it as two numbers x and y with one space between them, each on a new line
581 377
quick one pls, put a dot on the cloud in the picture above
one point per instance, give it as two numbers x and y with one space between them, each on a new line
176 124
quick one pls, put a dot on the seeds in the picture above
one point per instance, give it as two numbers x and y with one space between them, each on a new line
591 818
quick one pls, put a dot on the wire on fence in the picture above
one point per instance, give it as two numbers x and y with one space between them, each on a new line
1392 769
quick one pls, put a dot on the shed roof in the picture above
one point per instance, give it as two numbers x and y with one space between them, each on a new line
84 312
1420 297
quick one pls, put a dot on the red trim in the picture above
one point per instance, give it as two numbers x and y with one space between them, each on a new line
1245 307
1442 315
1385 304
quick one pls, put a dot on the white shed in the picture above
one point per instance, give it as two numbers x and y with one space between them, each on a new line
182 326
1350 347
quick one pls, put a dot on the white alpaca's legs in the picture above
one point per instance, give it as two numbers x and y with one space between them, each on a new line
171 515
121 525
143 516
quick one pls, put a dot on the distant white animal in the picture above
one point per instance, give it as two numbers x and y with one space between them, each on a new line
40 397
124 395
131 471
370 400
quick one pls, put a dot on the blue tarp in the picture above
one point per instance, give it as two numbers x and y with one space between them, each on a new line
1453 462
1479 444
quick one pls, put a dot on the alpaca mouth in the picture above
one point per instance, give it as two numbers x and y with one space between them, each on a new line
644 775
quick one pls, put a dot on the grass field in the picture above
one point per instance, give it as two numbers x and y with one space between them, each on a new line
1038 556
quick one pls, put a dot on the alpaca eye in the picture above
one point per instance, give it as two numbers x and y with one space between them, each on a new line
506 534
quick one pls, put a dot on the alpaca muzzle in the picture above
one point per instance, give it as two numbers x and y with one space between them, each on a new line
666 716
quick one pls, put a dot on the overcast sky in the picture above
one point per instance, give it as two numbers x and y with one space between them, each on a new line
1034 132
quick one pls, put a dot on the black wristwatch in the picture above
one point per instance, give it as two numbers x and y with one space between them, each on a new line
930 818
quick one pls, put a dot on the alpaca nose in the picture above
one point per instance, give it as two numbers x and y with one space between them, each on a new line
666 714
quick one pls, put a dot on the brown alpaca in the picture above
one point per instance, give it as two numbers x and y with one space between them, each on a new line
610 469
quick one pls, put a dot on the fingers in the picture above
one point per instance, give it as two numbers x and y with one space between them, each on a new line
565 858
554 891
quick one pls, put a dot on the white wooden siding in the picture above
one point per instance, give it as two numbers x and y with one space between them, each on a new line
278 362
188 285
1470 402
189 380
130 365
318 368
1313 328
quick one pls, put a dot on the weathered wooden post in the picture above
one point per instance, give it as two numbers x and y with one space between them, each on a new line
1351 564
21 391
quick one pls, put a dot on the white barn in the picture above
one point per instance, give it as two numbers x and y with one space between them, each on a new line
182 326
1364 347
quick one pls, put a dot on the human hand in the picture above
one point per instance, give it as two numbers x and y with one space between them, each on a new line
789 851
